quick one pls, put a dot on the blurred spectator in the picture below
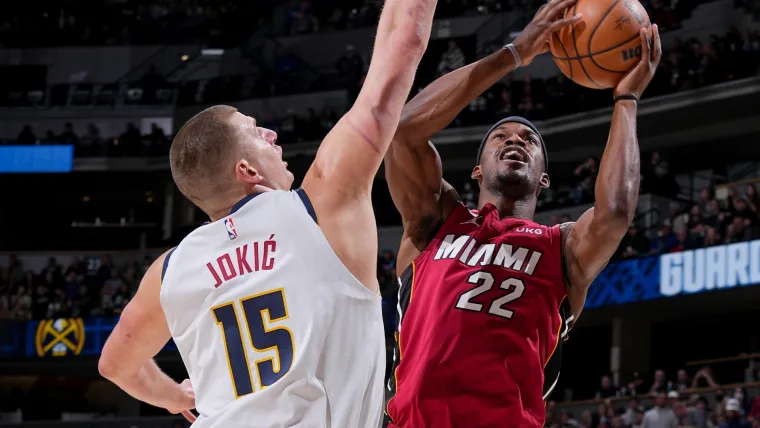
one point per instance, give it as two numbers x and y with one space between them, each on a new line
451 60
697 414
661 416
629 415
301 19
68 136
607 389
733 415
704 378
585 174
660 384
657 178
664 241
129 139
682 381
21 304
634 243
26 137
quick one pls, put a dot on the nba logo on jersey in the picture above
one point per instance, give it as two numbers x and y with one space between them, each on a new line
230 226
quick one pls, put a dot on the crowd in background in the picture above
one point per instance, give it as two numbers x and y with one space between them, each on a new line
91 22
88 22
681 401
82 289
687 65
89 142
307 16
731 409
708 221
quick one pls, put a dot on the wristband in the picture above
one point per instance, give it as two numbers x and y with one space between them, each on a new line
510 47
627 97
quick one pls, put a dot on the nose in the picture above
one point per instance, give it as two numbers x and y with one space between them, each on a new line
515 139
269 135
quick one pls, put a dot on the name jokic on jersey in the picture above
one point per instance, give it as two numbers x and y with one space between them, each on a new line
463 247
247 258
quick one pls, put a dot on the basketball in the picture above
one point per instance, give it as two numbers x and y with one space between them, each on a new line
599 50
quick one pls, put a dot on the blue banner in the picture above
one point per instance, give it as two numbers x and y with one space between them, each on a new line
59 337
721 267
36 159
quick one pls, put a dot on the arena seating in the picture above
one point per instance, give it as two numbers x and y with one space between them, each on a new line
687 65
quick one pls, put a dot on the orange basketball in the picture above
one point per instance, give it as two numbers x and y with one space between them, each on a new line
597 52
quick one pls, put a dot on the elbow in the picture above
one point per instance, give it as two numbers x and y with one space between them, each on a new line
409 43
618 214
107 367
619 206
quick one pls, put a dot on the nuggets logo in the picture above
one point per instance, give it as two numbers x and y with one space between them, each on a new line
230 226
60 337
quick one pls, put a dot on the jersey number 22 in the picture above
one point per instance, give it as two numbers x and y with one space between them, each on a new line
484 281
258 312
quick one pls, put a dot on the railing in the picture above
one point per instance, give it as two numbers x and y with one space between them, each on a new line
90 94
577 406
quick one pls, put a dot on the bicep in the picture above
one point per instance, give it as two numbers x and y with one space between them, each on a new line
588 247
415 179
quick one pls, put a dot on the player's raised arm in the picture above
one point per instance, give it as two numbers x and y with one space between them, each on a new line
412 165
339 181
351 153
592 240
127 357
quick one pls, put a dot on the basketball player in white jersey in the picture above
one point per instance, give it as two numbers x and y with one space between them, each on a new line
274 304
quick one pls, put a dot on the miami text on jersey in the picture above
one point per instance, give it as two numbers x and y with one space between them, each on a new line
463 247
247 258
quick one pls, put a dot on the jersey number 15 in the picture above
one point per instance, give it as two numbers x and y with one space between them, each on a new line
258 312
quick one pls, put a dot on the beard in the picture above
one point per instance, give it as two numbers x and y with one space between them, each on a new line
511 183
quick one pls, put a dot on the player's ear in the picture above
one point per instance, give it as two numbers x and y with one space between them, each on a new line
477 174
543 182
247 174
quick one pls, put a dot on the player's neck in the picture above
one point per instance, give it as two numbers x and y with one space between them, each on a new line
509 207
230 202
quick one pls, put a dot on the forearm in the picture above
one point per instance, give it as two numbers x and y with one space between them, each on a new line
404 27
149 384
440 103
617 185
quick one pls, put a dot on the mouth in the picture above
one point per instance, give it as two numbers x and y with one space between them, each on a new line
513 154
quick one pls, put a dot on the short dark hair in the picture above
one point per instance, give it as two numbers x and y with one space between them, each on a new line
199 151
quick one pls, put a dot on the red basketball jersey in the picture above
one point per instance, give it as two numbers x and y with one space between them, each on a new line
482 312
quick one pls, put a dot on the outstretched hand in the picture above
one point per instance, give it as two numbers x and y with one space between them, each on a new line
534 39
637 80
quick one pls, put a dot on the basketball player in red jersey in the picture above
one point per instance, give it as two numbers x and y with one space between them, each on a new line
487 296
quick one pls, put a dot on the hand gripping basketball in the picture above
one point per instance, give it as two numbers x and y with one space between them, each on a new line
533 40
636 81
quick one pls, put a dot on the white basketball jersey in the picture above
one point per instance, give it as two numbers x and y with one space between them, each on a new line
273 329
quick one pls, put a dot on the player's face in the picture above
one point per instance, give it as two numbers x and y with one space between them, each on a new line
263 154
512 161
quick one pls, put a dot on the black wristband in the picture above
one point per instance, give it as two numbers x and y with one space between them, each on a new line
626 97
